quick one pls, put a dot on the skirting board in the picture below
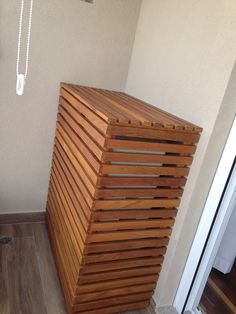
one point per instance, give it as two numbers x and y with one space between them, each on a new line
22 217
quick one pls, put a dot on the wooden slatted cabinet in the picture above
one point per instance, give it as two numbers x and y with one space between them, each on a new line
118 172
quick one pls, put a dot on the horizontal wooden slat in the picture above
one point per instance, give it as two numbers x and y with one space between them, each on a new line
117 265
132 213
135 203
147 158
119 274
144 170
114 292
131 224
134 234
154 134
100 193
118 308
141 181
102 257
113 301
125 245
112 284
150 147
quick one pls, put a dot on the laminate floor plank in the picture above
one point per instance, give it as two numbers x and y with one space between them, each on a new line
25 288
18 230
54 301
4 300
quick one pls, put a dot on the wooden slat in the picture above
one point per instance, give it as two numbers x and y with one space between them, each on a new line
78 192
93 106
149 192
132 213
82 173
80 150
135 203
118 308
86 145
125 245
65 283
63 255
103 257
131 224
114 292
147 158
168 135
73 204
150 147
90 115
119 235
66 229
118 265
141 181
112 284
71 249
144 170
90 135
68 207
107 105
157 116
113 301
139 271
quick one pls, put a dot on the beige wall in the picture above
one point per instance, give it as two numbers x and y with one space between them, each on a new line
182 58
71 41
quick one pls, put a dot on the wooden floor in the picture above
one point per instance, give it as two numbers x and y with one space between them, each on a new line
28 278
219 296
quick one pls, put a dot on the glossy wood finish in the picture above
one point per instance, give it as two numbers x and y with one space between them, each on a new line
28 276
118 172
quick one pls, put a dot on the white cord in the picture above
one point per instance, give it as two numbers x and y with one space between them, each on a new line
28 39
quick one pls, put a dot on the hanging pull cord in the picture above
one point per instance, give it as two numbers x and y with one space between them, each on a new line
21 78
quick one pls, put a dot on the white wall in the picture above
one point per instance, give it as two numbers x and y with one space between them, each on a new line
182 58
71 41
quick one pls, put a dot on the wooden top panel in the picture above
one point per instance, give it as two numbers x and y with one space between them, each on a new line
120 108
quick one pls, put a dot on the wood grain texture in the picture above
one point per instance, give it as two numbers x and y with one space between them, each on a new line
27 268
25 296
4 290
22 217
118 172
54 302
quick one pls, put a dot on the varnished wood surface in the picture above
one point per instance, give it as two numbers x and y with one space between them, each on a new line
117 107
28 278
118 171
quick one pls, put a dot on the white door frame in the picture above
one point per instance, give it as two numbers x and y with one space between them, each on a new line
201 236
